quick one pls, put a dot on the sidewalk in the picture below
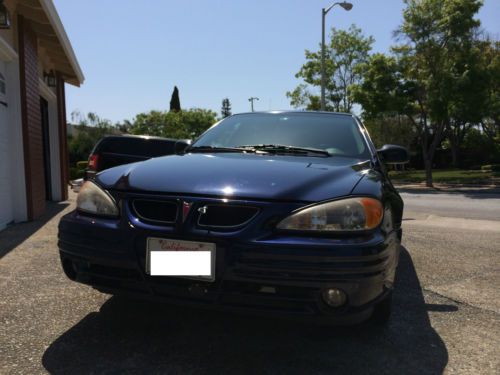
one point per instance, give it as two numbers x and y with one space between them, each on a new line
447 188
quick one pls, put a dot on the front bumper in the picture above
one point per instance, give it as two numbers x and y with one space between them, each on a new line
275 275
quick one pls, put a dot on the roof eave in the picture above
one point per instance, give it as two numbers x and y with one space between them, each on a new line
55 21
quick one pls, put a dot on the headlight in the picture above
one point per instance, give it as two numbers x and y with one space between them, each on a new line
350 214
93 200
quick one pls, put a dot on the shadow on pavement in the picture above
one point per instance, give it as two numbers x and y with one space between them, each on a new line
129 336
13 236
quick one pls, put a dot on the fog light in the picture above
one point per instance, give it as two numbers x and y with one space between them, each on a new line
334 297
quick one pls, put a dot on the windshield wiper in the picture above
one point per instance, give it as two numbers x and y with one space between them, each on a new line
218 149
284 148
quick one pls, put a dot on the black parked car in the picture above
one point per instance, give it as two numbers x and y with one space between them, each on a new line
114 150
281 213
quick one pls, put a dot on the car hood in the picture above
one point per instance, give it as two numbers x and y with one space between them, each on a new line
239 175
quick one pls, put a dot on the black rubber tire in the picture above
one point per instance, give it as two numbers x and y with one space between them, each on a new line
382 311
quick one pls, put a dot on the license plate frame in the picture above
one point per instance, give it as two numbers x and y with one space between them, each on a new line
185 250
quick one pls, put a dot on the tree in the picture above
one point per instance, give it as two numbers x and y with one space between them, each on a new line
491 122
426 78
383 90
90 128
391 129
470 89
226 108
175 102
435 32
124 126
386 99
346 50
184 124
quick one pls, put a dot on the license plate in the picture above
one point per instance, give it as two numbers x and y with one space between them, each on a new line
188 259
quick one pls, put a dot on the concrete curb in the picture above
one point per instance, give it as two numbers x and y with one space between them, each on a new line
448 188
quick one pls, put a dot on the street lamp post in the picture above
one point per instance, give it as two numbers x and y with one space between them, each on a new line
347 6
251 100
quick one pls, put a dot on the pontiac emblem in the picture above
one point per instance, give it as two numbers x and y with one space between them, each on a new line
186 207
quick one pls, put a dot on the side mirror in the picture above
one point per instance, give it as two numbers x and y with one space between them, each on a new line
181 145
392 154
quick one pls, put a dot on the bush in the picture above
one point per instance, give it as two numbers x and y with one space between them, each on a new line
491 167
82 164
478 148
75 173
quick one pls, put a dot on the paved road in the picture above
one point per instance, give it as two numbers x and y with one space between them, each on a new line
467 204
446 318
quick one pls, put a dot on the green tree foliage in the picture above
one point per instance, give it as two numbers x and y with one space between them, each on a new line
391 129
175 102
88 130
480 148
383 91
183 124
491 122
433 77
345 51
226 108
124 126
439 34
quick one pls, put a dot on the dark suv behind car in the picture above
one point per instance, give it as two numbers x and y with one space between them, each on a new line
115 150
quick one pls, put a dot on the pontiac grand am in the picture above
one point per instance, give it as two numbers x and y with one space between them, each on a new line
288 214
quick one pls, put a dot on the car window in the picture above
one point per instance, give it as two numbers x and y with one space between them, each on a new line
137 146
337 134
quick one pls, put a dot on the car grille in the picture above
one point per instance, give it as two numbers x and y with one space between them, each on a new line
155 211
225 216
281 263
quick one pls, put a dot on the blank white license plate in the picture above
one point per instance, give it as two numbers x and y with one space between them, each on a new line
167 257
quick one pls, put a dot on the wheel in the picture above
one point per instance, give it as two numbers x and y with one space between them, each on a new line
382 311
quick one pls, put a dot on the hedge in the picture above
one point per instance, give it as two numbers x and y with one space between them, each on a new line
491 167
82 164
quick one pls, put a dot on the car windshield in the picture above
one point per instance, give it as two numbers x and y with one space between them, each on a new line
288 133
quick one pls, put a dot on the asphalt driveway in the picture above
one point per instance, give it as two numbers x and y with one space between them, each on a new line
446 318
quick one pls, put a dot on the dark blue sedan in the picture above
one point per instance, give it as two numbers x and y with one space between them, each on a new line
279 213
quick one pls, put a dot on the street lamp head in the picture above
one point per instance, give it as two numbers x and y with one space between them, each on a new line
347 6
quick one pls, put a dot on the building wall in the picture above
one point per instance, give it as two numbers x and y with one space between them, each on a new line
31 119
25 57
12 187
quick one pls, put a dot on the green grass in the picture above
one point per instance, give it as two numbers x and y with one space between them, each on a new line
448 176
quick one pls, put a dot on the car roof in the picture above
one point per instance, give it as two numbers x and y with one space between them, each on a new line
144 137
295 112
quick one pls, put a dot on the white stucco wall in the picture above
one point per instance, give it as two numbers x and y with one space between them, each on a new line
12 181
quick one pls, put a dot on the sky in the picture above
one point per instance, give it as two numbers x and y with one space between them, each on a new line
133 53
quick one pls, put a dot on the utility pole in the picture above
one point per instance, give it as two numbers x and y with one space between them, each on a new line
323 16
347 6
251 100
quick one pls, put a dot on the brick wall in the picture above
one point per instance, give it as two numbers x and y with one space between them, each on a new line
31 120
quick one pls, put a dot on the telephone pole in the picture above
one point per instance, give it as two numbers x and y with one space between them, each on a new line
251 100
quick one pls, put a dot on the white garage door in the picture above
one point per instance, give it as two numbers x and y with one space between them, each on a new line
6 209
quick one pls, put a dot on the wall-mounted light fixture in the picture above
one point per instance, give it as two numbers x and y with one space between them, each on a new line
4 16
50 79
